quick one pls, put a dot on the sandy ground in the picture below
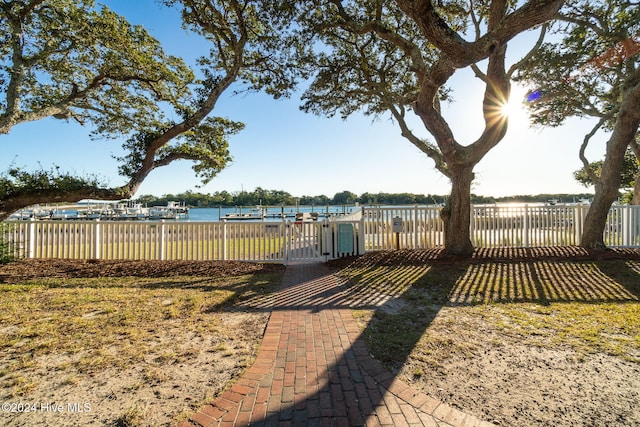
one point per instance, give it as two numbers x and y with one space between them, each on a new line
159 391
507 380
513 383
153 393
521 379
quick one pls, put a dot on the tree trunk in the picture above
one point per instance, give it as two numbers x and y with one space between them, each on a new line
607 186
635 147
636 190
457 214
55 195
596 219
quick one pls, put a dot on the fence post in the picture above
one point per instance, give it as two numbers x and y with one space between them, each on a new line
577 224
224 239
580 214
472 225
525 225
633 214
633 211
625 225
326 241
415 227
163 241
363 230
32 239
288 235
361 242
97 241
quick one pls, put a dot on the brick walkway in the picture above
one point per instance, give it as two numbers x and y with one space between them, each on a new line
313 369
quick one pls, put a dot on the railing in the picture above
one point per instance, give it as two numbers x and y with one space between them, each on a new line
283 242
499 226
355 215
525 226
623 226
149 240
421 227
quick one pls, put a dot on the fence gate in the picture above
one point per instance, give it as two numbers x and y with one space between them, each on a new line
305 241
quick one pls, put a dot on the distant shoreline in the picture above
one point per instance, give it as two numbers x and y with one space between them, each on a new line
278 198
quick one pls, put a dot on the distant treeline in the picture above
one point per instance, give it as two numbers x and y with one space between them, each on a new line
263 197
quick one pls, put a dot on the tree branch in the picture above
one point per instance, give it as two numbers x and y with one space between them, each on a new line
422 145
376 26
587 138
23 199
238 45
463 53
515 67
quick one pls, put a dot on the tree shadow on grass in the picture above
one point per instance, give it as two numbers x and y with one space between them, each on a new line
547 281
393 336
626 273
393 332
249 291
408 290
354 388
253 292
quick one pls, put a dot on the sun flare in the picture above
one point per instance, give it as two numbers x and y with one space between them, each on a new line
514 109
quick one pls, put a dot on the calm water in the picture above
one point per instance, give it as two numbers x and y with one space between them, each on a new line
273 213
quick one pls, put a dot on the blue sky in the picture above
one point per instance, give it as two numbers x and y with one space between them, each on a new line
282 148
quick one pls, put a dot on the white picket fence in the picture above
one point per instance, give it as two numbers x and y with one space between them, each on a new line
281 242
499 226
285 242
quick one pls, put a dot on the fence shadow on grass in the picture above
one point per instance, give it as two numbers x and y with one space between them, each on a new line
547 281
389 282
255 292
352 387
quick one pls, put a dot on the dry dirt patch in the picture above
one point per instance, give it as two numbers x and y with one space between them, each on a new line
65 268
519 338
125 343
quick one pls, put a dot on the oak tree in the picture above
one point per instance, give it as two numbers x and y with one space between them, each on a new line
588 175
592 71
66 59
383 56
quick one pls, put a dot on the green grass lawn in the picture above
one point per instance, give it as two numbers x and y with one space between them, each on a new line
239 248
436 311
